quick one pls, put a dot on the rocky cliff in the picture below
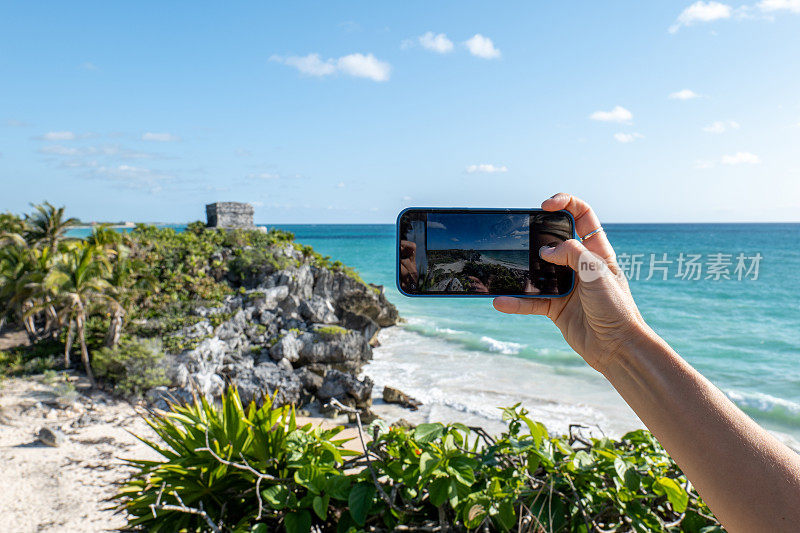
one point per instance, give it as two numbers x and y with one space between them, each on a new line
300 333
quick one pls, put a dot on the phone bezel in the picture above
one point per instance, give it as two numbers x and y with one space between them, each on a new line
474 210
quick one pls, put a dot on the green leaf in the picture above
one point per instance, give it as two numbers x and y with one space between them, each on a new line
438 490
427 463
632 480
621 467
360 501
428 432
533 463
506 515
276 496
463 469
320 505
537 429
582 460
674 492
338 487
299 522
475 514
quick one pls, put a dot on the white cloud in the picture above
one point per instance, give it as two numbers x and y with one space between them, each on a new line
437 42
310 64
58 149
160 137
618 114
721 126
12 123
481 46
59 136
740 158
340 185
628 137
436 225
88 65
684 94
486 169
780 5
701 12
263 176
364 66
357 65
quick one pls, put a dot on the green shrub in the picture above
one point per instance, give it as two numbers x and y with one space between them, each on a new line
331 331
34 359
254 469
132 367
254 262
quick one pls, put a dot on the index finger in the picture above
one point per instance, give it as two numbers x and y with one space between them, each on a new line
586 221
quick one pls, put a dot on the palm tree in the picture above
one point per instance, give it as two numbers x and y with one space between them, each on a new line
46 225
78 282
16 265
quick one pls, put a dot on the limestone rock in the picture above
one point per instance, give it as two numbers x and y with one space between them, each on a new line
267 379
361 323
319 310
51 436
339 384
392 395
288 347
311 380
349 351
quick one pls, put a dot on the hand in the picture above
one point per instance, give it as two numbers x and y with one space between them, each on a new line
409 277
598 316
477 285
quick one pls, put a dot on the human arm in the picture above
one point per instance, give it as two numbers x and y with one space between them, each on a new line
750 480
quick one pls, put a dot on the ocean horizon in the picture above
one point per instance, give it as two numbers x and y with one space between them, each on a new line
463 359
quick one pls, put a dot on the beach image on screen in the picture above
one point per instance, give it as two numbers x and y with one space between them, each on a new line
478 253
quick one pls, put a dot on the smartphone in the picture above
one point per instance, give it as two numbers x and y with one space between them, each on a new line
481 252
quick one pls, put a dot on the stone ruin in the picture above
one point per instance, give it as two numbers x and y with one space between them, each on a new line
229 215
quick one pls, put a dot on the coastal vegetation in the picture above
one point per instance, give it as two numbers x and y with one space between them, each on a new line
93 293
224 333
254 468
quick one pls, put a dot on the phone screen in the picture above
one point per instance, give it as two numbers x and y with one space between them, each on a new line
453 252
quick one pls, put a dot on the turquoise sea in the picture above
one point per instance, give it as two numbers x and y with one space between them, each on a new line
463 359
461 355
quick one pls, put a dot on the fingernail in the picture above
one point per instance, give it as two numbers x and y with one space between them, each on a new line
546 250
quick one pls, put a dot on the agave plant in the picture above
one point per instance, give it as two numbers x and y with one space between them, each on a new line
232 468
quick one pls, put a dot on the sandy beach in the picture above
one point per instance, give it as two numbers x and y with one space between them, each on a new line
66 488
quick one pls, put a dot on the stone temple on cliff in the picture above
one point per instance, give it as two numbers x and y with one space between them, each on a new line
229 215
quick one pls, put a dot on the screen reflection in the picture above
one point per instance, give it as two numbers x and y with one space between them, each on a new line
481 252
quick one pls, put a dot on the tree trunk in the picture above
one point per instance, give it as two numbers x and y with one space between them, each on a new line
114 329
2 322
53 323
30 328
85 351
68 344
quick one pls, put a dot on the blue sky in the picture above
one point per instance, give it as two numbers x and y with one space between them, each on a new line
477 232
348 112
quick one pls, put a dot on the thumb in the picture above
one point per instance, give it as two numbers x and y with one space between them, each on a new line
566 253
573 253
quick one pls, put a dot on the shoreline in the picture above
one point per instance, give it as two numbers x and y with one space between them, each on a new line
422 367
